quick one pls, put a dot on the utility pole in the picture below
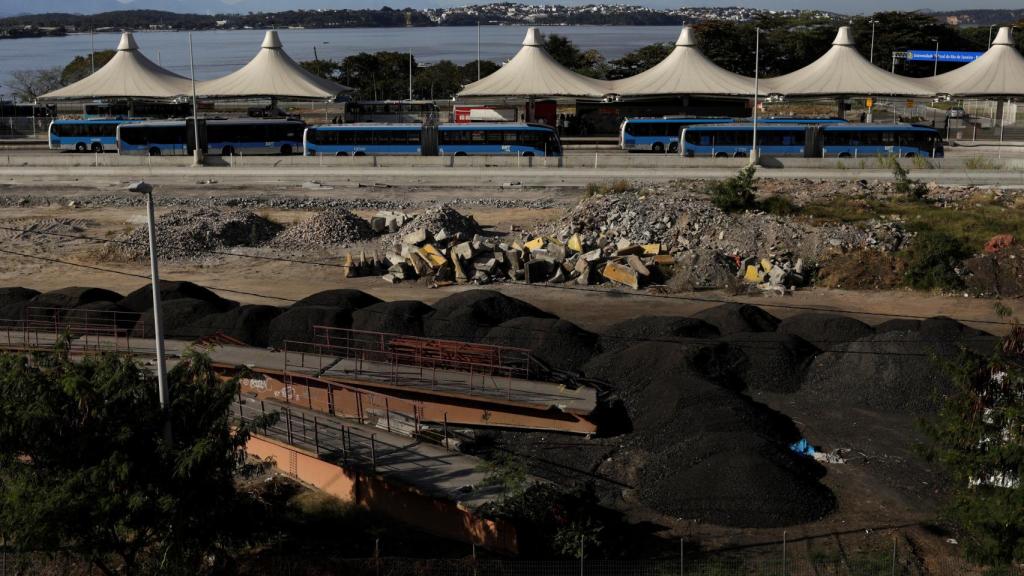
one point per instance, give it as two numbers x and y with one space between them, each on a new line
757 63
158 327
873 22
410 75
92 49
935 72
478 48
197 154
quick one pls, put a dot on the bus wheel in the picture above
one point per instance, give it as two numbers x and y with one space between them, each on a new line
154 151
688 154
97 147
658 147
460 153
286 150
227 151
844 154
909 155
342 154
673 147
527 154
721 155
80 147
360 154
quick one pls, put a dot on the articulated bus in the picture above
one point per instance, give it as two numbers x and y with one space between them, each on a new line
217 137
812 141
662 134
85 135
428 140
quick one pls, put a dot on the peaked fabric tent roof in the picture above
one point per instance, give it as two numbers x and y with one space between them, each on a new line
271 73
685 71
842 71
533 72
128 74
997 72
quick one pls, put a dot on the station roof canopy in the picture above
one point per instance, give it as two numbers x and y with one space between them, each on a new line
533 72
271 73
685 71
997 72
128 74
842 71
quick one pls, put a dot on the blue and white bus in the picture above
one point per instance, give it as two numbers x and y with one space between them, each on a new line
662 134
497 139
217 137
811 141
363 139
85 135
426 140
904 140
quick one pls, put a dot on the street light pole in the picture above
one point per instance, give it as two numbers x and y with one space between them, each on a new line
873 22
410 75
935 72
197 153
991 26
158 327
478 49
757 62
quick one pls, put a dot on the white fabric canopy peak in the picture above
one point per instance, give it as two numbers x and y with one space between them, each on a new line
997 72
533 72
842 71
271 73
685 71
128 74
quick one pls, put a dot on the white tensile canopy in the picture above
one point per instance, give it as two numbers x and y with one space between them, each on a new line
127 75
997 72
685 71
271 73
842 71
533 72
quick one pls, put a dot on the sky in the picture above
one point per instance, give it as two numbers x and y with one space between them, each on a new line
8 7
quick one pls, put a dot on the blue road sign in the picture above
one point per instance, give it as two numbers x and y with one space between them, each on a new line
929 56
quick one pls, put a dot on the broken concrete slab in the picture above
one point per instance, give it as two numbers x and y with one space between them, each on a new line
421 236
634 262
621 274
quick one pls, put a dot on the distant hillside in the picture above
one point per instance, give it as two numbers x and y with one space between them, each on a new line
979 17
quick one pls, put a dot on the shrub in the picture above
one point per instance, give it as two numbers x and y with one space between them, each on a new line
615 187
735 194
904 185
779 206
932 261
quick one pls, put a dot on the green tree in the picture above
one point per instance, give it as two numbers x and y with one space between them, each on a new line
933 259
377 76
81 66
638 60
84 467
978 437
589 63
327 69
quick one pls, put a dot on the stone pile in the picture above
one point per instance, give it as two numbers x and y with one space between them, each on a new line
330 227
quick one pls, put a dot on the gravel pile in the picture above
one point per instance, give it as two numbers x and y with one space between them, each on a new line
13 300
177 316
690 432
249 323
731 318
141 300
768 361
899 371
671 328
73 297
346 298
398 317
191 235
824 330
558 344
328 228
470 314
297 323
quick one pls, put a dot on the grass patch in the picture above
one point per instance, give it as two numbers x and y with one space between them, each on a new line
981 163
605 188
931 261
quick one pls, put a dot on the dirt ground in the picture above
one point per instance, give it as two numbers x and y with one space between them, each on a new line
885 491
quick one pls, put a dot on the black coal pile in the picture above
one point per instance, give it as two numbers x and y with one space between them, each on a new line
663 328
249 323
73 297
347 298
732 317
701 451
899 324
141 300
557 344
899 371
398 317
101 315
769 361
13 300
297 323
177 315
469 315
823 330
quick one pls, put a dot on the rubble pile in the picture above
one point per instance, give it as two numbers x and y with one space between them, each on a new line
192 234
440 223
328 228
